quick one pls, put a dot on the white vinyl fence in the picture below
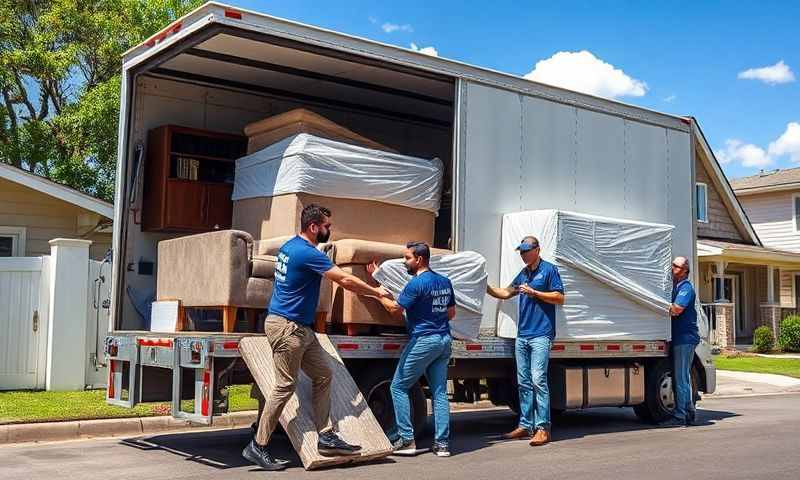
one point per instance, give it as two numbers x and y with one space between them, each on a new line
53 319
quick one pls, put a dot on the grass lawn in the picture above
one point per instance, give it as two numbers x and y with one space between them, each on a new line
27 406
780 366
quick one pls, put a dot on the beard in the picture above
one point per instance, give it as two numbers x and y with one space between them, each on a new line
323 237
411 270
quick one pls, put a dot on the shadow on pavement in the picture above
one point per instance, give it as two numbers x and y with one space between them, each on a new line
223 448
469 431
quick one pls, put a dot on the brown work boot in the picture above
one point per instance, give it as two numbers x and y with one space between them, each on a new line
518 433
539 438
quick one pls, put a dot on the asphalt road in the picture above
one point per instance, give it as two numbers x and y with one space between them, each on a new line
740 438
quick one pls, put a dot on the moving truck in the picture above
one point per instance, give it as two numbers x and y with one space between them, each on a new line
507 145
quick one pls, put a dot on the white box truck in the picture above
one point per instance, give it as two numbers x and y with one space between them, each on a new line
507 145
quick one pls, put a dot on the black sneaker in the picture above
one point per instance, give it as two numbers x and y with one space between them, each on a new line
259 455
440 450
331 444
407 448
673 422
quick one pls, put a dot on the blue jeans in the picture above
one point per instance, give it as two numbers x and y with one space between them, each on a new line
533 356
427 355
682 356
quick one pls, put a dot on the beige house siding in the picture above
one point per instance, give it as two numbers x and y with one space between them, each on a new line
720 224
44 218
772 217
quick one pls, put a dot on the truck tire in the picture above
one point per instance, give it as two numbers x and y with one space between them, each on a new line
374 385
659 399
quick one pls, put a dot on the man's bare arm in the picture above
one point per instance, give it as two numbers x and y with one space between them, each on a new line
355 284
501 293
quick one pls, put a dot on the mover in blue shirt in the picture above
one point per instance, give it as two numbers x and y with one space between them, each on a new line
540 289
429 303
685 337
298 273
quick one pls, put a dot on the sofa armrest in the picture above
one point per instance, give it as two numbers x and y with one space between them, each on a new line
208 269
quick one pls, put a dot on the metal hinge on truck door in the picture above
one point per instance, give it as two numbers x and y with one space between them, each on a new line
195 355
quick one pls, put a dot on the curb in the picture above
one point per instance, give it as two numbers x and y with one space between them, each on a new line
116 427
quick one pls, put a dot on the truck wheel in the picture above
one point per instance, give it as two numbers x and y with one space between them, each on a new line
374 384
659 397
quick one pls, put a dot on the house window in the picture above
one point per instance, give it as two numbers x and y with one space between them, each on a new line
701 194
12 241
796 199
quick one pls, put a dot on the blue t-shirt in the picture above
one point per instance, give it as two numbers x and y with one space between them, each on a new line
684 326
426 299
298 274
538 318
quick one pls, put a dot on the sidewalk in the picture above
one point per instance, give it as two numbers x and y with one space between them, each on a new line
731 383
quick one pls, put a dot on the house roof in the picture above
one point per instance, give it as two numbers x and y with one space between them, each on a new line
768 181
722 185
709 250
48 187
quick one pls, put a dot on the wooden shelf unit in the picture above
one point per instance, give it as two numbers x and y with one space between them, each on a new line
175 204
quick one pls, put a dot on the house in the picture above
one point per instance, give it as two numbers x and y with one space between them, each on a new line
743 280
35 210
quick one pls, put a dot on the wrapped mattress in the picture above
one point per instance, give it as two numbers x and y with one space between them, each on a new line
373 194
616 274
467 273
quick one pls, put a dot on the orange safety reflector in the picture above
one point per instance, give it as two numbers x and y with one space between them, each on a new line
474 347
613 348
204 401
230 346
159 37
155 342
347 346
639 348
586 348
112 369
233 14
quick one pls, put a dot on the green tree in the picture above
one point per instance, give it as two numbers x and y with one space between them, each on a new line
60 63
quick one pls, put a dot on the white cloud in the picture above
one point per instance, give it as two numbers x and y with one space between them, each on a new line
394 27
671 98
747 154
584 72
426 50
788 143
373 20
771 75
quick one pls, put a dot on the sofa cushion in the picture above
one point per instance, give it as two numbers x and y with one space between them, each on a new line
263 266
351 251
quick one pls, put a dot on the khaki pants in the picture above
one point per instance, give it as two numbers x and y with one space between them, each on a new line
294 347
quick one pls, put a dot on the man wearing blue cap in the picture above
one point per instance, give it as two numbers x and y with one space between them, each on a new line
540 287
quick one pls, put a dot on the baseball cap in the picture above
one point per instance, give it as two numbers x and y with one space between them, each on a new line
527 244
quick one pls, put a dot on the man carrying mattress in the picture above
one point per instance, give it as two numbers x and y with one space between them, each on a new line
540 287
429 303
298 274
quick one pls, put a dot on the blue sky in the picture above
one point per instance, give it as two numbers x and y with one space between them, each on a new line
678 57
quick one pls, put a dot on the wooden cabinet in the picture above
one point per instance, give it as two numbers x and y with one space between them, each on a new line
189 179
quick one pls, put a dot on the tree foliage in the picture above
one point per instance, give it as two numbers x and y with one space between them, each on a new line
60 63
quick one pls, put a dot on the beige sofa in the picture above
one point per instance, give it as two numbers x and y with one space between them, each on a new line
222 270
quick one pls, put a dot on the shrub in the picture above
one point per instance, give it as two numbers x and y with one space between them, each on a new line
763 340
789 338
